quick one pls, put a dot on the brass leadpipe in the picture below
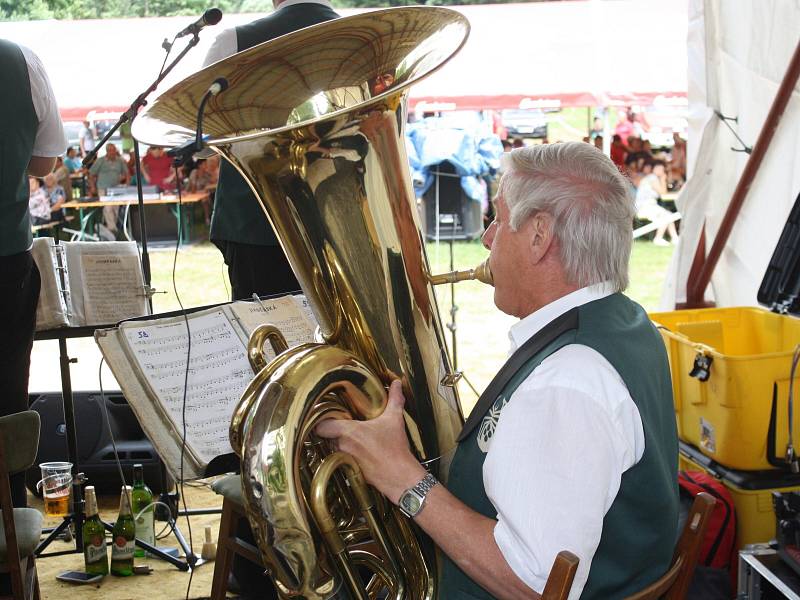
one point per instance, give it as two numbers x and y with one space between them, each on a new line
482 273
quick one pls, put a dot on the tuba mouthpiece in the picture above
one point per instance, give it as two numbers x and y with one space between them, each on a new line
482 273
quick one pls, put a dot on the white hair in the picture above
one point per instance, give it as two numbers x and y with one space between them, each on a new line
587 197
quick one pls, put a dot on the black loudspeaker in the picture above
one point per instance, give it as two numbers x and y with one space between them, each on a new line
459 217
95 450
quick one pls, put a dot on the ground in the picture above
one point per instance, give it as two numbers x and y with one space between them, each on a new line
200 278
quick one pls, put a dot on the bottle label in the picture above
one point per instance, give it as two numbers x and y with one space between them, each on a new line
122 549
145 528
96 549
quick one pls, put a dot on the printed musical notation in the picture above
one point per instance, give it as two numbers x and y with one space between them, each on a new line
217 375
112 287
286 313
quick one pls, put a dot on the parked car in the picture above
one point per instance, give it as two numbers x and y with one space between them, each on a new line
521 123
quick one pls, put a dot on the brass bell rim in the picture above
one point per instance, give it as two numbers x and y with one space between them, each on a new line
210 74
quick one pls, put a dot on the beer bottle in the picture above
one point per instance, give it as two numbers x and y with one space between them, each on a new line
124 534
95 553
140 498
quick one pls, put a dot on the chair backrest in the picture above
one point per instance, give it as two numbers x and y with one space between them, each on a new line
559 582
674 584
20 436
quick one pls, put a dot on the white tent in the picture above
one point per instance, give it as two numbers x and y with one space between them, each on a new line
582 53
738 53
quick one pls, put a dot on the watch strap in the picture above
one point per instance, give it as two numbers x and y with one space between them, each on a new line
425 485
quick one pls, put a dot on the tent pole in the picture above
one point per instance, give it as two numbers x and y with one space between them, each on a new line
696 287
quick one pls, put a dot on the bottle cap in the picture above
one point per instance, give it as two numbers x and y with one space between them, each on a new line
91 501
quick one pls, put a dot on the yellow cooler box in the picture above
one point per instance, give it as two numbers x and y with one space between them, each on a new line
751 491
730 379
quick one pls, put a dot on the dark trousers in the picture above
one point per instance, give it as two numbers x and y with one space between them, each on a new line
19 294
262 270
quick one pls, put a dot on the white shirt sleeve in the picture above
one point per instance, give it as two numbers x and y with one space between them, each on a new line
50 139
225 45
556 460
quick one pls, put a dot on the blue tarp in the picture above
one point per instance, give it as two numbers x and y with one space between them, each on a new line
472 149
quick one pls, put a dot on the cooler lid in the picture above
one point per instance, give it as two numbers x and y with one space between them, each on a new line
780 288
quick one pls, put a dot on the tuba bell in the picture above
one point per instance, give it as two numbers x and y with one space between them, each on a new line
314 122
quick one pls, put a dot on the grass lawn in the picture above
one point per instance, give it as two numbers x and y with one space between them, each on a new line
481 334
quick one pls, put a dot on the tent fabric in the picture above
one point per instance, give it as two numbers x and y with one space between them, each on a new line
471 148
541 54
738 53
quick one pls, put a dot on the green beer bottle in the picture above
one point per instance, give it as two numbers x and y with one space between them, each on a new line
124 534
140 498
95 553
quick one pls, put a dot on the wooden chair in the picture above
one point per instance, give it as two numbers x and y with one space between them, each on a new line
675 583
228 544
559 581
21 527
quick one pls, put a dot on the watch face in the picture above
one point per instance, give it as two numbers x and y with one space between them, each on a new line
410 503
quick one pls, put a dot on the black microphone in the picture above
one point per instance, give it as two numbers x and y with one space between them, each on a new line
220 85
211 17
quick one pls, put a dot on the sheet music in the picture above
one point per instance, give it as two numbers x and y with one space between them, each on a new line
110 290
284 313
105 290
218 374
53 308
305 308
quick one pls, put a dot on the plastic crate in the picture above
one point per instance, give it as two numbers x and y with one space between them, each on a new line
730 377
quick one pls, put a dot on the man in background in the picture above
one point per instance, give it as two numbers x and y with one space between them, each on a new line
32 137
108 171
86 138
256 262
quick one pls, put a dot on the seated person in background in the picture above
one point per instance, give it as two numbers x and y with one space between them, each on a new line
73 161
38 204
618 152
202 178
62 177
108 171
157 169
577 449
650 189
677 164
598 142
55 195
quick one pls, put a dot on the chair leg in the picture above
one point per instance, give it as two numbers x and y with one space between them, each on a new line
224 560
36 593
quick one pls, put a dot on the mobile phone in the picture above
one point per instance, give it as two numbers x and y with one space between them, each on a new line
78 577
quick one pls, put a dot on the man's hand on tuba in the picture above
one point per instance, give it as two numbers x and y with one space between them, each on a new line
380 446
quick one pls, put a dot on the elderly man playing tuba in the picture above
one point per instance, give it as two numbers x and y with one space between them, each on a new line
573 445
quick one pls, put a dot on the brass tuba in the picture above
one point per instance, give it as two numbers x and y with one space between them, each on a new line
314 122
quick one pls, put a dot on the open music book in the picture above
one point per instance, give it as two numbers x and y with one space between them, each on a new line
88 283
148 358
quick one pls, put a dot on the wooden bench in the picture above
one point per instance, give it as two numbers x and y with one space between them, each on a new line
56 225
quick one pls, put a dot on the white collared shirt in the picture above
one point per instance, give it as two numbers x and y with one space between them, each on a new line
226 43
556 457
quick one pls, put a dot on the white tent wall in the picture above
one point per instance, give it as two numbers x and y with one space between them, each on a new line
738 53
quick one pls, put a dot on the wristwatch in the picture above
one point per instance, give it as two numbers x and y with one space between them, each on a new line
412 501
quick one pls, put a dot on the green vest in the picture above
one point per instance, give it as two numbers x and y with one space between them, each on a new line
641 527
18 125
238 216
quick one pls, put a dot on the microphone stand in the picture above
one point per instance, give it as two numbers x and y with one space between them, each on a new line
191 561
128 116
